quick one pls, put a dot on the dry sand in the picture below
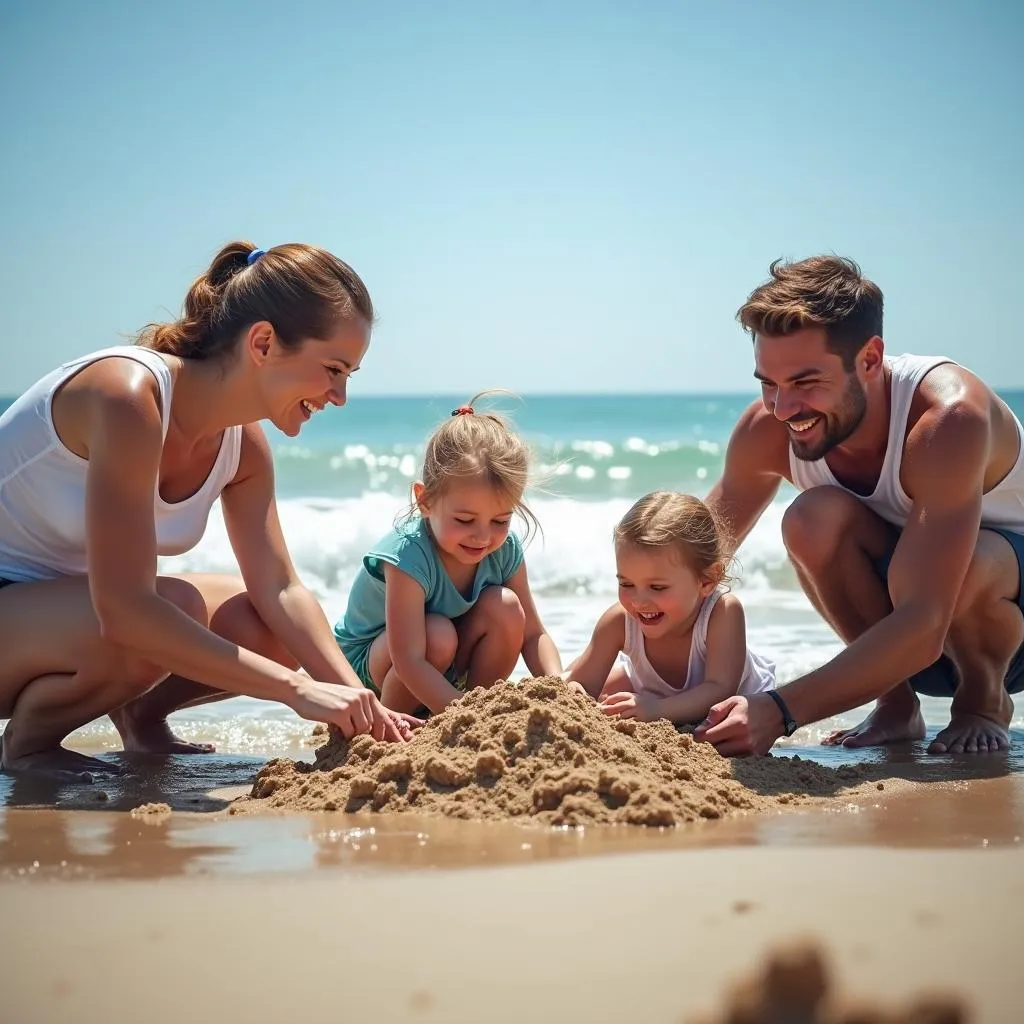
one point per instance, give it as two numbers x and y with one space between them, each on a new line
536 752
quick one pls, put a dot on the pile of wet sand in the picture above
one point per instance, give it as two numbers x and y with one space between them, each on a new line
794 986
535 752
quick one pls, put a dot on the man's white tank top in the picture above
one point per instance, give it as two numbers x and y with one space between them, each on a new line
1002 507
758 672
42 483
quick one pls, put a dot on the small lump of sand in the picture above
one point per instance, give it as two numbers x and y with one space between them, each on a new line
151 810
536 752
794 986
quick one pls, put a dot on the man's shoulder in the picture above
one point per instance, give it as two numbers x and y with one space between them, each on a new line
760 440
949 394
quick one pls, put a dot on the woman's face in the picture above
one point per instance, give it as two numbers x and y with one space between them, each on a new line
299 383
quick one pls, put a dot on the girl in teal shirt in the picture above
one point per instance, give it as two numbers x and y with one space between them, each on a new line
443 602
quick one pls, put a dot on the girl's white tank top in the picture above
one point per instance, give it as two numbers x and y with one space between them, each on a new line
758 672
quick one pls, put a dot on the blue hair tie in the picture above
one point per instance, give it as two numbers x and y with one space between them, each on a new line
254 256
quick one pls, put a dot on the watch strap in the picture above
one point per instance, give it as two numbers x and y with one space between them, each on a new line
788 721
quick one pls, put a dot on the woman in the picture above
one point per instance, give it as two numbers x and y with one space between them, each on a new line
116 458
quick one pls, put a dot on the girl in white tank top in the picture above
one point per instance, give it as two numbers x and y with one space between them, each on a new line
675 644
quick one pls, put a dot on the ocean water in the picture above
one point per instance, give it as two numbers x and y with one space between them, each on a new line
345 478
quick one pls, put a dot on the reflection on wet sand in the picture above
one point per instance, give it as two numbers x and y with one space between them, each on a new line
86 833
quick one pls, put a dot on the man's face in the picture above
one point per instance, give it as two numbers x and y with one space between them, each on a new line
809 390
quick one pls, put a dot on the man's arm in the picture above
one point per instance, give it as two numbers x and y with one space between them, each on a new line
943 469
756 462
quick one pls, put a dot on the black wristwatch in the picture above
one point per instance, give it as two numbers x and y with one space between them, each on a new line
788 721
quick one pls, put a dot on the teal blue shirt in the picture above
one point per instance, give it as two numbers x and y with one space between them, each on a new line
411 549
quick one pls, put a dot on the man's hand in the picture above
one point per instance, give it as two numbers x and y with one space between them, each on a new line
627 704
740 726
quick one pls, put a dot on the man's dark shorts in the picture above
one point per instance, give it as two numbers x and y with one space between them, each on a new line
940 678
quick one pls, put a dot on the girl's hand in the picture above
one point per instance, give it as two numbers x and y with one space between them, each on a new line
352 709
627 704
405 724
579 688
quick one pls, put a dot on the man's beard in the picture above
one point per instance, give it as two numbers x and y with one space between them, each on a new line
837 427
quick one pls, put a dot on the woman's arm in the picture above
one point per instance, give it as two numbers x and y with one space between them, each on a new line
120 428
723 671
592 667
539 650
288 608
406 625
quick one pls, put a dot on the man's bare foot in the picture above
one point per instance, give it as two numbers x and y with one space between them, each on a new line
895 719
59 763
974 732
152 736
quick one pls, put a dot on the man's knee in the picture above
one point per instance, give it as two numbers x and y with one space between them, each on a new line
817 521
442 641
992 576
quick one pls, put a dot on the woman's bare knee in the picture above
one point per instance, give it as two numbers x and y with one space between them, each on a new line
238 620
183 595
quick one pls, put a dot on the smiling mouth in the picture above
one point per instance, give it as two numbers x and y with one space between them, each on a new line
650 618
309 408
802 426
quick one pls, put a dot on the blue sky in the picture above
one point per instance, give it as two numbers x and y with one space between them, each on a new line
544 197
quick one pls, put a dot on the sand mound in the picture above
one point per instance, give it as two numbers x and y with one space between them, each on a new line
794 987
534 751
152 810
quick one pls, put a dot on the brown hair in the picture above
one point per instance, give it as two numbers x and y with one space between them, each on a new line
478 445
301 289
822 291
693 530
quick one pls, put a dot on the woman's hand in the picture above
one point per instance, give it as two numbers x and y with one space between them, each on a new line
352 709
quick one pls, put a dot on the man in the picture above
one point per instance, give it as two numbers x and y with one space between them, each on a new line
908 533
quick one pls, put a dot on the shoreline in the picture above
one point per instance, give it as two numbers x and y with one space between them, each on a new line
87 839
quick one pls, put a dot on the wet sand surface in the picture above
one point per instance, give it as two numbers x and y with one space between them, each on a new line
83 831
911 890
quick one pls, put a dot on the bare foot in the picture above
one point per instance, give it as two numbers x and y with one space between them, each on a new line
152 736
973 734
58 763
895 719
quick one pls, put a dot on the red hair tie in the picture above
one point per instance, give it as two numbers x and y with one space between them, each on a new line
463 410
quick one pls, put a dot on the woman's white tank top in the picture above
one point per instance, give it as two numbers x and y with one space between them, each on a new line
758 672
42 483
1002 507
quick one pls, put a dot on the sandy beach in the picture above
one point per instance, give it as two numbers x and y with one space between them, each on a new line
651 937
908 886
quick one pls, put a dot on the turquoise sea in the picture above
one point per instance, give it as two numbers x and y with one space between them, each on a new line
343 480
